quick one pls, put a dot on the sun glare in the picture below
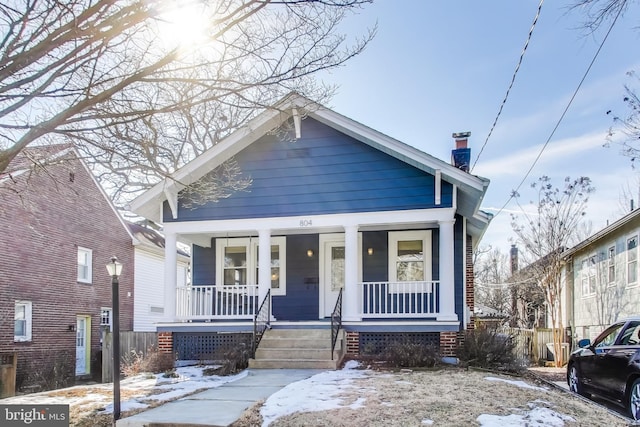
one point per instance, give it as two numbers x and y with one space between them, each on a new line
184 25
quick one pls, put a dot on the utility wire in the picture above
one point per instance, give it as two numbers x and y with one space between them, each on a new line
564 113
513 79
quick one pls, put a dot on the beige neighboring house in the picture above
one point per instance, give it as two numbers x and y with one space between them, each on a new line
601 275
148 307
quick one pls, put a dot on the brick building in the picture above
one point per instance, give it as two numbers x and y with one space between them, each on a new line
59 230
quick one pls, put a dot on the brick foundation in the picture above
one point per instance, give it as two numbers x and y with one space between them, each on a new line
353 343
448 343
165 342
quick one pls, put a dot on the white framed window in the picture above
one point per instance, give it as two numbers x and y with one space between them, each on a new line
409 257
85 257
632 260
611 266
237 263
106 318
588 276
278 271
22 321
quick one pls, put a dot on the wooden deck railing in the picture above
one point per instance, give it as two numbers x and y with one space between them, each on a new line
208 302
400 299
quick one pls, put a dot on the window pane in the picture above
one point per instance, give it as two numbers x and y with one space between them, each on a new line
410 271
337 268
235 256
410 250
632 272
20 328
20 312
410 261
235 277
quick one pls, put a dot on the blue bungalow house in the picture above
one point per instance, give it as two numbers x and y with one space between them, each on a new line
331 235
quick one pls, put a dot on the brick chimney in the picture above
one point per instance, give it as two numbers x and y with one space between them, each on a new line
461 155
513 256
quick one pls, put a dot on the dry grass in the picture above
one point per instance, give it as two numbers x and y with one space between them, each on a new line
448 397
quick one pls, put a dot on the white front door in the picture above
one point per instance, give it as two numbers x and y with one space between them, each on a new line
83 329
333 277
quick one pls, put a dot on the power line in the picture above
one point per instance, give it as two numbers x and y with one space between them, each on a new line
513 79
564 113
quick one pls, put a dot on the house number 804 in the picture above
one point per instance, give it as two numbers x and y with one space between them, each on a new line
305 223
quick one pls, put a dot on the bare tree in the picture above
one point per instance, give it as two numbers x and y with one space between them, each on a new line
491 271
545 232
116 79
599 13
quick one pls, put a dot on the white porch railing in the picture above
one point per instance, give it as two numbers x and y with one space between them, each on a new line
209 302
399 299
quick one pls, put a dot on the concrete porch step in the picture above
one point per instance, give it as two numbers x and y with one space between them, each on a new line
295 353
292 364
297 349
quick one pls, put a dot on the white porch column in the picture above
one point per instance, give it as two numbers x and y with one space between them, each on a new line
170 276
447 276
350 309
264 264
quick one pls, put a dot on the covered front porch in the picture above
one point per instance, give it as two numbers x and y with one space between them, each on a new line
383 270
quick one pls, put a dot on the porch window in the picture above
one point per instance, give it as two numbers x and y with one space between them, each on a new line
278 285
632 260
612 266
22 321
84 265
410 256
235 266
238 263
588 275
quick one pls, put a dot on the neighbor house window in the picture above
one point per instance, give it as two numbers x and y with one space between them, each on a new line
84 265
22 321
238 263
588 274
409 256
106 316
612 265
632 260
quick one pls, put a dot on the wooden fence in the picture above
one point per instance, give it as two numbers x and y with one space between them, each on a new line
130 342
8 365
535 345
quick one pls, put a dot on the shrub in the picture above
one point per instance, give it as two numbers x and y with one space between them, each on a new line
43 372
486 347
232 360
405 353
136 362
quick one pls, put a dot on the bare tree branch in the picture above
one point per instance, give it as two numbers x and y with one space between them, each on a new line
108 77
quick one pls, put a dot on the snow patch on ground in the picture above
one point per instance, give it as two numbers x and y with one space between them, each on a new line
536 417
518 383
317 393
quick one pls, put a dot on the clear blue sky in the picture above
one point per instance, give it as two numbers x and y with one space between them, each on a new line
438 67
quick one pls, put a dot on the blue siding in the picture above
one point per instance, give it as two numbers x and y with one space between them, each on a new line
324 172
302 299
203 262
375 267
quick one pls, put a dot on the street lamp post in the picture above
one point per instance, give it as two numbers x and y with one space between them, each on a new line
115 269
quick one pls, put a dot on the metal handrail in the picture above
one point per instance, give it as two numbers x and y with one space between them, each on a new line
336 322
261 322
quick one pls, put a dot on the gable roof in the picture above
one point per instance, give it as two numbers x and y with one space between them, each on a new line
151 239
471 189
604 233
49 156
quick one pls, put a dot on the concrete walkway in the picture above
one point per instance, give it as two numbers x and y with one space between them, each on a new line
220 406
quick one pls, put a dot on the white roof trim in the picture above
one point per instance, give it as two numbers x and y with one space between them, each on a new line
149 203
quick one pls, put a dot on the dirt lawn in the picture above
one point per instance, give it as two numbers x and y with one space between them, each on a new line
446 397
